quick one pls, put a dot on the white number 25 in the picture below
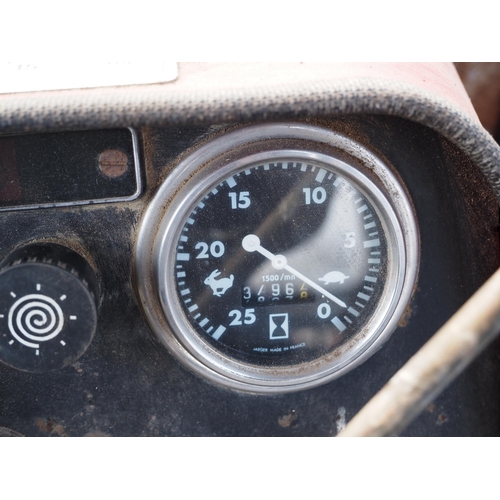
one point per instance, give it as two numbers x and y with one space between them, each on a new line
236 315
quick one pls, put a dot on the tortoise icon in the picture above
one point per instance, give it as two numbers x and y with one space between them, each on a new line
333 277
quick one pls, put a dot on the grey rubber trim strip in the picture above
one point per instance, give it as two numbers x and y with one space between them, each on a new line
154 105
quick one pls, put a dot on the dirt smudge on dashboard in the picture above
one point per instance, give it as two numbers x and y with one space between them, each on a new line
289 419
50 426
442 418
340 421
97 433
404 320
477 210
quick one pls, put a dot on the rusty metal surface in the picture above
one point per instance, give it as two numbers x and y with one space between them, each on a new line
482 83
439 79
113 163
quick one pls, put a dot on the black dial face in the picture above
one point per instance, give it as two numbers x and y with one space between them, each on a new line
282 262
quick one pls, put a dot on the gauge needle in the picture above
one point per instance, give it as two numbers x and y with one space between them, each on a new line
251 243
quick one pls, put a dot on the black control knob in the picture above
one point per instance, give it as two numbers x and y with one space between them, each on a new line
48 309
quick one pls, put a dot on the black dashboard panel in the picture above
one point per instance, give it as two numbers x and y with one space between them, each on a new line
128 384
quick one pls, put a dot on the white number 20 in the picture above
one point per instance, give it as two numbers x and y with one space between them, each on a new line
217 249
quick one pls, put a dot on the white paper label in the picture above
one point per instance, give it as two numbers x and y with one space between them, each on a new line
15 77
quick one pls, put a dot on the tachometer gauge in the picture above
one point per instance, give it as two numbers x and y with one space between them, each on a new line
277 257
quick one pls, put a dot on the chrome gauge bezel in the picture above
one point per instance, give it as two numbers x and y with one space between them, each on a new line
196 175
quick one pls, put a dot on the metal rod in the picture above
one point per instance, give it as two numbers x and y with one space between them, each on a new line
433 367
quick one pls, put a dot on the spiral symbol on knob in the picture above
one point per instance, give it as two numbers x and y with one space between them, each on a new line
35 317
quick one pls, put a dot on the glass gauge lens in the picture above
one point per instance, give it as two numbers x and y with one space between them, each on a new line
277 257
281 262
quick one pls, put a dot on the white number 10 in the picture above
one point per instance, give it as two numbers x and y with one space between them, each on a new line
318 195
